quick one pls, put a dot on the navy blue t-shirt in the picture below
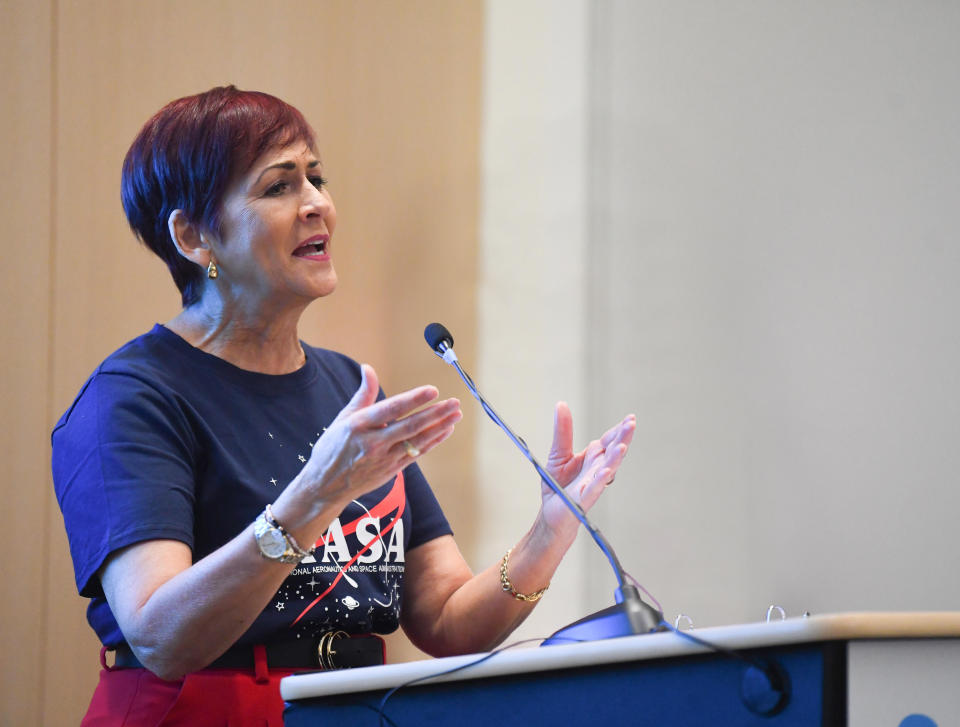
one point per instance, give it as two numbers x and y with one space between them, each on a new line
165 441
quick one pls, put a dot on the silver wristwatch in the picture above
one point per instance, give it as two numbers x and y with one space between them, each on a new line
274 542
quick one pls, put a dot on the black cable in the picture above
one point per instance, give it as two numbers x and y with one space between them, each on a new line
724 651
734 654
454 670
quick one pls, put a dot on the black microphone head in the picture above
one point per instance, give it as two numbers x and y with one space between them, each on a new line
436 335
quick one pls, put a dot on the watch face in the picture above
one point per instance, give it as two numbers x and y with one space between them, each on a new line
272 543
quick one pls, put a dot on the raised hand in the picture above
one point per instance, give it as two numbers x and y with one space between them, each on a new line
584 475
370 440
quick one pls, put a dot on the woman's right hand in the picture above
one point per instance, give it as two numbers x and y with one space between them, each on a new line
367 444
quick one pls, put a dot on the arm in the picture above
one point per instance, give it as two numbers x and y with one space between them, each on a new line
179 616
448 610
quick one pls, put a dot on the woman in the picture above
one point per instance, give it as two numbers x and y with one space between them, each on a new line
237 502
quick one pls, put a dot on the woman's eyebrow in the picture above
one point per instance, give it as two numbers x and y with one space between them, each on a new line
288 166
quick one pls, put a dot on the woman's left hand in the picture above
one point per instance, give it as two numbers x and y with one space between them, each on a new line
583 475
442 597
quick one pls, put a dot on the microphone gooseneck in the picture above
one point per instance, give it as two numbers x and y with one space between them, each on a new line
640 616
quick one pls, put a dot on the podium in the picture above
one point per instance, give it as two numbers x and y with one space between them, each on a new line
856 669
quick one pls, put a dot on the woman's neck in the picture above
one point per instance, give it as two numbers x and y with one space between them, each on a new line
265 343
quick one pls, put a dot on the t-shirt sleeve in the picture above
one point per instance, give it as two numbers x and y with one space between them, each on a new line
428 519
123 471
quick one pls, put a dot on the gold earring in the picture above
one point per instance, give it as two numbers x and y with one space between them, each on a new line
212 270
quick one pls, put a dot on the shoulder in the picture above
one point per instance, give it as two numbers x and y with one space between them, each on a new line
143 368
157 355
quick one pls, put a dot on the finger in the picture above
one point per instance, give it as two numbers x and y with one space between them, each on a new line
407 437
366 393
438 414
613 457
422 439
562 446
595 487
593 455
395 407
430 440
628 428
625 427
599 458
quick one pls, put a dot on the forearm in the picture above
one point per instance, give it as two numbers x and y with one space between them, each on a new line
200 612
448 610
195 612
478 614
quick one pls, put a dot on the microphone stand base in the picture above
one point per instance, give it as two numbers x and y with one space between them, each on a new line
627 618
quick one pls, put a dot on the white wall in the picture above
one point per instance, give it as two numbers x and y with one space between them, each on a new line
532 276
767 275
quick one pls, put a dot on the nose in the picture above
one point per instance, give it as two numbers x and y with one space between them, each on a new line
315 203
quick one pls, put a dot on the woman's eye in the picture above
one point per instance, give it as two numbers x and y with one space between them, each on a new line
318 182
277 188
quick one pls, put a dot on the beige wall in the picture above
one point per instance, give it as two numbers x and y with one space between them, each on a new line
394 92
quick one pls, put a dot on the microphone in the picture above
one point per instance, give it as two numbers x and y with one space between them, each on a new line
440 340
630 615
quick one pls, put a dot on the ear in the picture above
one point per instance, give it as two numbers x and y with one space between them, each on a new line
190 240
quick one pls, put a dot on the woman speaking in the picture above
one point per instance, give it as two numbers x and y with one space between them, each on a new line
241 505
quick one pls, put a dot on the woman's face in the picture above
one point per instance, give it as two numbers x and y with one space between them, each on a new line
276 228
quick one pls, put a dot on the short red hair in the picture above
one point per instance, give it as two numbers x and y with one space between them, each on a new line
185 157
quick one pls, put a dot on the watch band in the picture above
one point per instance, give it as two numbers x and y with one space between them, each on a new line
292 543
273 540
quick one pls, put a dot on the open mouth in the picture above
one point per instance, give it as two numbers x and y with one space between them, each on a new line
313 248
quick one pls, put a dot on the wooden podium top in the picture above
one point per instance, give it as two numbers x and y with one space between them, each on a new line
826 627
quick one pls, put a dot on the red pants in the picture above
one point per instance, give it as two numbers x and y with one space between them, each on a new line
207 698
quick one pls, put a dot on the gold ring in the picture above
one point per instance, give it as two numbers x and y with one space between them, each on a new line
410 449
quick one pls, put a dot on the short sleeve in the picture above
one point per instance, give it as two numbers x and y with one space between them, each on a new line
429 522
123 470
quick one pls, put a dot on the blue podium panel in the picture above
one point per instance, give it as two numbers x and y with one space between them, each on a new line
680 692
853 669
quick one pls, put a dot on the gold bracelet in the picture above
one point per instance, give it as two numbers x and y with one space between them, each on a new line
508 586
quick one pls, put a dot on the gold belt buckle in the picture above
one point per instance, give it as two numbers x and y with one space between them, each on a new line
325 650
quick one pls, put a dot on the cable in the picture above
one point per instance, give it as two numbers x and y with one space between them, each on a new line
734 654
383 702
722 650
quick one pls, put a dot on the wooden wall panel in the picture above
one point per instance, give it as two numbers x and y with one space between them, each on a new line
394 92
25 201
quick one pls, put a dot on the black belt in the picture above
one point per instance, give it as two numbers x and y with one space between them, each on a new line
333 650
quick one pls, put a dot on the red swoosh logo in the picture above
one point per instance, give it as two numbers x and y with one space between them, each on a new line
395 500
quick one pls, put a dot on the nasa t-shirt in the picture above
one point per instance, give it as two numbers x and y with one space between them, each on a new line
167 441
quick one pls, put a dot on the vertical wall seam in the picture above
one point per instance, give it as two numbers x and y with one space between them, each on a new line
597 238
598 173
50 343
